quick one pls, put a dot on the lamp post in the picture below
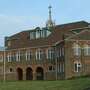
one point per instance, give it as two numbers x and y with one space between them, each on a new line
4 66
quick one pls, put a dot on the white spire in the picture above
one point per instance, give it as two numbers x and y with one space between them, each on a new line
50 22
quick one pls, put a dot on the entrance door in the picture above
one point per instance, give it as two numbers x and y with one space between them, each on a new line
20 73
39 73
29 74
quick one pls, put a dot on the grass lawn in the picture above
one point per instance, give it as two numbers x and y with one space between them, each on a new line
76 84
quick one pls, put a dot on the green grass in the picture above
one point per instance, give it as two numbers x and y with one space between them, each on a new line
76 84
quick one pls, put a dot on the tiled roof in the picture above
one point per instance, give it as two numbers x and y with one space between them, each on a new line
55 36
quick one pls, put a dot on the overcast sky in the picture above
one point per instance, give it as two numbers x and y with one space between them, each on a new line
18 15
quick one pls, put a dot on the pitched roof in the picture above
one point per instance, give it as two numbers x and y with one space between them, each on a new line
61 30
55 36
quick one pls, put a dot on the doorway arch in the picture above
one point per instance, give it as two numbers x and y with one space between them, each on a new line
29 74
20 73
39 73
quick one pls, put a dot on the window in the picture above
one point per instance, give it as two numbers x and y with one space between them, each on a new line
76 49
51 68
28 55
86 50
11 70
43 33
62 51
32 35
39 54
50 53
58 52
60 67
13 57
9 57
77 67
18 56
48 33
38 34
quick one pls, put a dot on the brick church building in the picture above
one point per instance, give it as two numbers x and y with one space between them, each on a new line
50 53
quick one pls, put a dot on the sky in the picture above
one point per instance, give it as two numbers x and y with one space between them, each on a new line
20 15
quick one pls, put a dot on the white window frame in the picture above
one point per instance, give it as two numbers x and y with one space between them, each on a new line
38 34
78 65
18 56
50 51
32 35
39 53
9 57
28 55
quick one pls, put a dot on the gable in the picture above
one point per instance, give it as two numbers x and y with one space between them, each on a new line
84 35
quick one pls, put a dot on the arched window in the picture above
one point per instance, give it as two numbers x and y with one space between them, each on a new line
76 49
86 49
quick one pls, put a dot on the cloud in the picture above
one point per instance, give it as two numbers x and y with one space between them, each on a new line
10 24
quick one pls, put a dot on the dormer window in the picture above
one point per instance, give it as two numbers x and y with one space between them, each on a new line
39 33
32 35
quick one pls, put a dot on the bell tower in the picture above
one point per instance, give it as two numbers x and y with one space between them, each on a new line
50 22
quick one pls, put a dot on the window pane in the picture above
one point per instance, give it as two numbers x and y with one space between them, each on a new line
75 67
